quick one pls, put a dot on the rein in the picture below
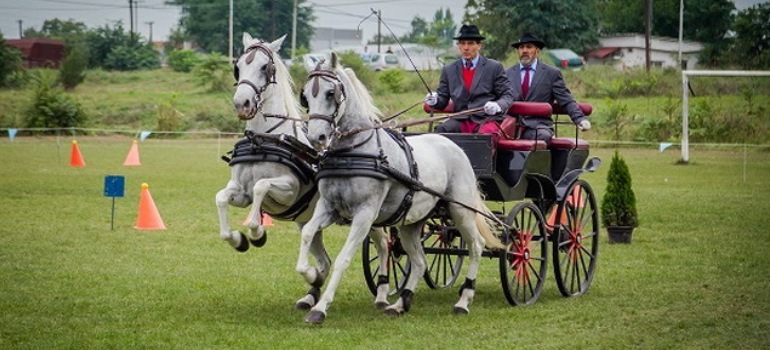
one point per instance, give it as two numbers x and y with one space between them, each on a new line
409 123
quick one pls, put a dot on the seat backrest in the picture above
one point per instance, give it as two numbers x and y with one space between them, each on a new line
509 128
585 107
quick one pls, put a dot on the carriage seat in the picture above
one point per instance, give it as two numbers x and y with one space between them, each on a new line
570 142
508 136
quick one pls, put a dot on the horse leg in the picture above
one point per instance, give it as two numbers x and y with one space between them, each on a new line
224 198
360 226
323 263
257 234
380 239
323 216
466 224
410 239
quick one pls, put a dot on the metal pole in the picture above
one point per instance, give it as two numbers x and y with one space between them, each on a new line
685 117
379 33
150 24
21 36
131 18
681 30
294 30
647 33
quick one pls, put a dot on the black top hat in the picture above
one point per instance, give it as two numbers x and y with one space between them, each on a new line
529 38
469 32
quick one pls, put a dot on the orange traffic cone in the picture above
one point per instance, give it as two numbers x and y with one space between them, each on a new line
76 159
149 217
266 219
132 159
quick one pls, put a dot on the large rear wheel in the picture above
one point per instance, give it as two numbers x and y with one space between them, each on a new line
398 264
442 243
524 262
576 240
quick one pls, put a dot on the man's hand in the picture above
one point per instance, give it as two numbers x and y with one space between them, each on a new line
492 108
584 125
431 99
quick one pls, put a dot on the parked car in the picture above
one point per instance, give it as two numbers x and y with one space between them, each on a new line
383 61
565 58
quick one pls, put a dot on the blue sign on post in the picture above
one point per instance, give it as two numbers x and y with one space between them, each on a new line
114 186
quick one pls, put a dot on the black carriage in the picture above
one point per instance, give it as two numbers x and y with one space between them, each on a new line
554 210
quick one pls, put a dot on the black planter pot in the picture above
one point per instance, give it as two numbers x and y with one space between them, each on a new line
620 234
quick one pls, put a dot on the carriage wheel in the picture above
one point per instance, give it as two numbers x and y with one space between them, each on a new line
576 240
442 266
398 264
524 262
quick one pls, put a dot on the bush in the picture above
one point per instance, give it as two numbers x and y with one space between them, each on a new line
619 202
50 106
392 80
215 73
183 60
73 68
10 62
132 57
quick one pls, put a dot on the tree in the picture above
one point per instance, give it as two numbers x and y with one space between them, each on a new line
751 44
57 29
102 41
206 23
73 67
560 23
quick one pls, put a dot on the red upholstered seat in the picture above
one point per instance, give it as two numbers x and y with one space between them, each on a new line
521 145
450 107
585 107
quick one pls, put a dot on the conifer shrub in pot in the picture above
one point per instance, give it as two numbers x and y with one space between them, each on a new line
618 207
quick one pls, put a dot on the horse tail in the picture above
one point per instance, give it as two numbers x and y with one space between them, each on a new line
485 228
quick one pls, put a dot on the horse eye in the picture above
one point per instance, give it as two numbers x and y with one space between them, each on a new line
264 68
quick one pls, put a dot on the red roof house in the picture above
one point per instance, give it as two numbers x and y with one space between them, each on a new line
39 52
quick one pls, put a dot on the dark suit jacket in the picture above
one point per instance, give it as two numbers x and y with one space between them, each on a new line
547 86
489 84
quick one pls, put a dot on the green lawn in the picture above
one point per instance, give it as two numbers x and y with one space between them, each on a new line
695 276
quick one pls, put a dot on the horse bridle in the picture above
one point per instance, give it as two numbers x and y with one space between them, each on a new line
269 71
339 94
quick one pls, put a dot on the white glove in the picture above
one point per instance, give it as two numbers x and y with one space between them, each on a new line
584 125
431 99
492 108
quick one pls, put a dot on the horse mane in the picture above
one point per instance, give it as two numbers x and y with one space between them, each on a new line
286 84
363 101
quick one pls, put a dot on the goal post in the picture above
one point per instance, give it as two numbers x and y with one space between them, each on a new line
685 104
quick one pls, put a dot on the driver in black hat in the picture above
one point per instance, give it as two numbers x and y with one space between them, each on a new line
470 82
545 84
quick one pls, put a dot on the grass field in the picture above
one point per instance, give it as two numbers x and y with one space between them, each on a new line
695 276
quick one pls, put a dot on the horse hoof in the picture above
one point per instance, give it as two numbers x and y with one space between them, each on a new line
381 304
392 313
244 245
259 242
303 306
459 311
315 317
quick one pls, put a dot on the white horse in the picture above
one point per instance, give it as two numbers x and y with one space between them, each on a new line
271 179
365 178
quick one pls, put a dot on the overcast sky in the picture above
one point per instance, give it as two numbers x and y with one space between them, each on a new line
340 14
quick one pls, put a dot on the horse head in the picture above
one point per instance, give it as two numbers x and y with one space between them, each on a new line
256 73
336 101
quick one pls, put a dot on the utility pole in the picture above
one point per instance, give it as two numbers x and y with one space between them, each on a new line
150 24
294 30
21 36
379 30
131 18
647 33
230 34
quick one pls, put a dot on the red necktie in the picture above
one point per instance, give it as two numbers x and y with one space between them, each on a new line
525 83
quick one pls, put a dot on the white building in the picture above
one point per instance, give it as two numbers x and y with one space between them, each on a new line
628 50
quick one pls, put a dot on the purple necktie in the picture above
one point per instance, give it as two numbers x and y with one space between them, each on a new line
468 64
525 83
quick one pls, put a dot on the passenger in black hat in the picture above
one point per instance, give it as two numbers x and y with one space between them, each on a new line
545 84
470 82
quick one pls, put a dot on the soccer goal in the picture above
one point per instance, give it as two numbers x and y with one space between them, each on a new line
686 74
